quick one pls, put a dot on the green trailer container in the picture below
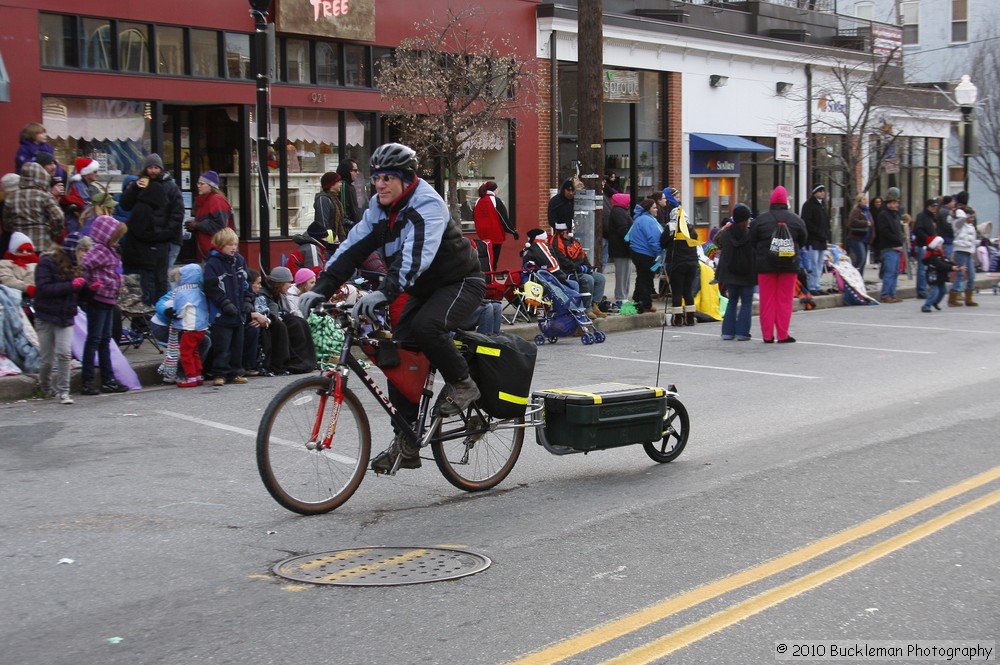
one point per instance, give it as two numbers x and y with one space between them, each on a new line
606 415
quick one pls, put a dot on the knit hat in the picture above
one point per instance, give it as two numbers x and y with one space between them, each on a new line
892 194
17 242
933 242
210 178
818 188
621 200
779 196
10 182
85 166
57 180
70 244
488 186
44 158
303 275
741 213
672 195
962 197
152 159
537 234
328 180
281 275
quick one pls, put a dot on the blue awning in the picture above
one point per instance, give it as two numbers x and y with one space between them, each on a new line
725 143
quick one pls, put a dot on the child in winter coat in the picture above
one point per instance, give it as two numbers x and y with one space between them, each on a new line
58 287
17 269
190 317
229 302
304 279
939 269
102 268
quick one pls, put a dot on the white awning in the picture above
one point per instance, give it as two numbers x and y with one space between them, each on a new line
312 126
4 82
93 119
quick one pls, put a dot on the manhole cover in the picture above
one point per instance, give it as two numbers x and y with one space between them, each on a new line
382 566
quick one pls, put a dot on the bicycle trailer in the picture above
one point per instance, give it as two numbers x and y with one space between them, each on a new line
596 417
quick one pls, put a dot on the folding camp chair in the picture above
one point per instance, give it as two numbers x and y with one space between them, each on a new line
137 314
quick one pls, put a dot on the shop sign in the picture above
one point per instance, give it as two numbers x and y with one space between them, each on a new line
827 104
715 163
887 42
336 19
785 144
621 86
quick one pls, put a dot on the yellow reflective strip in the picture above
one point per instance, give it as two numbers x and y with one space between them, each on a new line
595 396
515 399
488 350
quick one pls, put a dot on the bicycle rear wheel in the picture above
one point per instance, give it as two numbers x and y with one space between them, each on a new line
476 455
302 477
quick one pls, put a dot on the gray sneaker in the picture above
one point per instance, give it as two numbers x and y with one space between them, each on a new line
65 399
409 456
456 397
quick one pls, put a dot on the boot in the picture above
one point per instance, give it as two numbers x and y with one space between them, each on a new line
953 300
597 311
677 319
458 396
969 302
689 319
409 456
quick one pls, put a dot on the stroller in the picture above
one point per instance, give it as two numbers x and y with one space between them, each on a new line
562 313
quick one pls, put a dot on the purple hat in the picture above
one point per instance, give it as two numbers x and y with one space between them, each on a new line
210 178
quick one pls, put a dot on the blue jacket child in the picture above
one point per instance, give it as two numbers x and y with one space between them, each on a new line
190 305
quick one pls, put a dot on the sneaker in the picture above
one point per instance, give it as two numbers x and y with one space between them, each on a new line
219 382
457 397
409 456
787 340
743 338
90 389
253 372
65 399
113 386
925 308
239 380
193 383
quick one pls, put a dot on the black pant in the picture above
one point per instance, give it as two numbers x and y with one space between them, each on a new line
427 323
682 277
227 351
643 294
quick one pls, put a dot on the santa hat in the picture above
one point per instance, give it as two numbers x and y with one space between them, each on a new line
85 166
18 242
563 226
535 235
933 242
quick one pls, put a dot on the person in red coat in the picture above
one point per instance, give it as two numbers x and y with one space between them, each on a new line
212 213
491 220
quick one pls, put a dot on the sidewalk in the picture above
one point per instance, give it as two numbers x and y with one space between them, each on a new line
146 359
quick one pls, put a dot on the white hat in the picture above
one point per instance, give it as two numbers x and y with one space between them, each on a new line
10 182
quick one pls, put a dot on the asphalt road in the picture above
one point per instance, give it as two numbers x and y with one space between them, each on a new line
841 489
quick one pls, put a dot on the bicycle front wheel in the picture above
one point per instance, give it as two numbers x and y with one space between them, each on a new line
477 454
301 473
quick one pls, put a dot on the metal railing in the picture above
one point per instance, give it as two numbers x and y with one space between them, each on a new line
827 6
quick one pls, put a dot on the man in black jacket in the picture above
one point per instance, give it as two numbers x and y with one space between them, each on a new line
561 205
817 220
924 226
889 241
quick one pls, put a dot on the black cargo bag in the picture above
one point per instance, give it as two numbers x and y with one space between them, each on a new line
502 366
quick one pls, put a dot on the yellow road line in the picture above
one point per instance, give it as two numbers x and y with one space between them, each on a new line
689 634
628 624
370 567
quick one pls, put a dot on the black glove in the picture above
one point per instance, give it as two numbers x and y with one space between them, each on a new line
230 310
170 314
517 236
247 307
309 300
367 305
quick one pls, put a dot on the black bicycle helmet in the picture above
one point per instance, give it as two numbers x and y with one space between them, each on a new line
394 157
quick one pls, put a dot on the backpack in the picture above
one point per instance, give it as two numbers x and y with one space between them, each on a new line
782 247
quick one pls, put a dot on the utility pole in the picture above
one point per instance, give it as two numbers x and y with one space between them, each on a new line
590 106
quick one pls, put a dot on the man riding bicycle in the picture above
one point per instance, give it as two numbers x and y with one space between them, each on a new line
432 267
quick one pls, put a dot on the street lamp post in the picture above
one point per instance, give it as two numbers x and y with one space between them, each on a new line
965 96
258 11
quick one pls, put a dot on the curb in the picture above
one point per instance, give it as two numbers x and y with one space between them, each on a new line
145 361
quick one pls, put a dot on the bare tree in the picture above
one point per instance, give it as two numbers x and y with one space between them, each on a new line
861 90
985 66
454 85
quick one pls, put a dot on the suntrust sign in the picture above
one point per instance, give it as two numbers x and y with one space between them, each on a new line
715 163
337 19
827 104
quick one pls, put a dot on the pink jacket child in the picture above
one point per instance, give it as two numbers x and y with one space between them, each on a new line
102 265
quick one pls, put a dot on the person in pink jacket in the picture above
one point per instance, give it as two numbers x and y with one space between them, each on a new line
102 268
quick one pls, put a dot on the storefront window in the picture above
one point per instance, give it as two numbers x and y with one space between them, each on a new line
133 47
56 35
237 55
487 159
96 43
297 60
327 64
115 132
205 53
170 55
356 66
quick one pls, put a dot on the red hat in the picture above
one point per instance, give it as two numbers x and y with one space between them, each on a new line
329 180
779 196
933 242
86 166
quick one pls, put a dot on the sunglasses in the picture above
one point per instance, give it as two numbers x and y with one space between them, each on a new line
384 177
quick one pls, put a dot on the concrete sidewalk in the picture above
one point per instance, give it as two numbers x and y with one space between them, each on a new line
146 359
